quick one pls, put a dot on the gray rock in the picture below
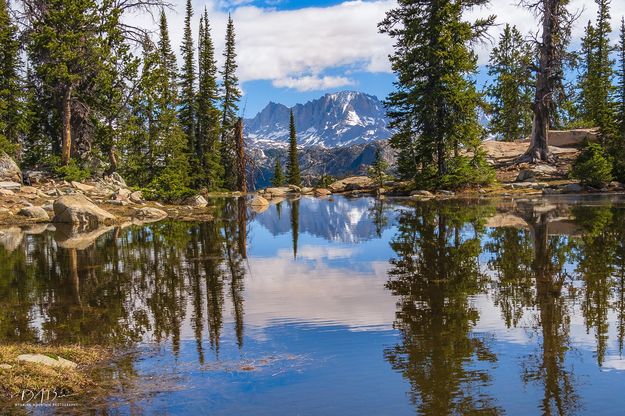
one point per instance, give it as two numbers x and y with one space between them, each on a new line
83 187
353 183
117 179
37 213
45 360
10 185
525 174
6 366
322 192
77 209
149 213
295 188
426 194
572 188
136 197
9 171
307 191
197 201
274 192
444 192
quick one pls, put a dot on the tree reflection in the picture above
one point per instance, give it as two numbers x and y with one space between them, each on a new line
115 286
434 274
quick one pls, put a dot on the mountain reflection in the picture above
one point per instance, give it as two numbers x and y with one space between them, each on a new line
552 271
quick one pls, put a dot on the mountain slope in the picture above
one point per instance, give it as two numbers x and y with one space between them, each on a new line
334 120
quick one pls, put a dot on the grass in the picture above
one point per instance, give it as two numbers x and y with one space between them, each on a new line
34 377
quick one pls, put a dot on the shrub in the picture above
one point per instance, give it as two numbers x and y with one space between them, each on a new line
169 186
593 167
72 172
463 171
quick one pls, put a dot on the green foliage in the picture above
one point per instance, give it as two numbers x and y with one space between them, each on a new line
72 171
377 170
208 146
293 176
170 186
187 109
230 107
511 91
11 120
595 86
325 180
278 175
434 106
593 167
466 171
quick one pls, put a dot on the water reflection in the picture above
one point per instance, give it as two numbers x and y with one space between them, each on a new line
446 295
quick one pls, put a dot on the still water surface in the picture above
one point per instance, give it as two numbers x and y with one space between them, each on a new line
339 307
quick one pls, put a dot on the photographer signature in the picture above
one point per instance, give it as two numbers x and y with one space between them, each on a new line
41 396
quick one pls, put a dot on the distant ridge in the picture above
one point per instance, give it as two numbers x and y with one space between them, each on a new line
334 120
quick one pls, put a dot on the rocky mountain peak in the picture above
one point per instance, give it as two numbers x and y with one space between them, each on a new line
334 120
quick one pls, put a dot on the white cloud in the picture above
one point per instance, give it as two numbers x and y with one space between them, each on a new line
312 82
295 48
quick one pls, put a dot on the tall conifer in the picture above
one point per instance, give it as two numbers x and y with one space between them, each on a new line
434 105
10 103
187 86
293 173
208 126
511 90
230 108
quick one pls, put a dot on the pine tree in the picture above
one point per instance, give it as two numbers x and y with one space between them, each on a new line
596 88
65 47
293 176
377 170
278 175
618 144
187 111
511 91
208 128
10 102
434 106
231 97
166 144
621 82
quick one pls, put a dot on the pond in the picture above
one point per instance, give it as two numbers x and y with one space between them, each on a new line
338 307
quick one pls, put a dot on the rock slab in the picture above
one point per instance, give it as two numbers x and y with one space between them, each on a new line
77 209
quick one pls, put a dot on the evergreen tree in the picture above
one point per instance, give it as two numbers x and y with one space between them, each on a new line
208 117
65 47
167 146
618 144
621 82
511 91
278 175
377 170
231 97
434 106
293 176
187 111
10 103
596 89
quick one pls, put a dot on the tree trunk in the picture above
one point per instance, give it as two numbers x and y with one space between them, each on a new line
545 85
242 165
66 142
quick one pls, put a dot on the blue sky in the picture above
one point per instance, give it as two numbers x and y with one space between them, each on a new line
292 51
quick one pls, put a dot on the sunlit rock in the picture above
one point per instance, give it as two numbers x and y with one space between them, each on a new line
77 209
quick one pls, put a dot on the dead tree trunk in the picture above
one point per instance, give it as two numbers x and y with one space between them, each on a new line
66 140
549 69
241 162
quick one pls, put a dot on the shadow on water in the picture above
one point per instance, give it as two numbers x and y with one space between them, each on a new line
541 266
